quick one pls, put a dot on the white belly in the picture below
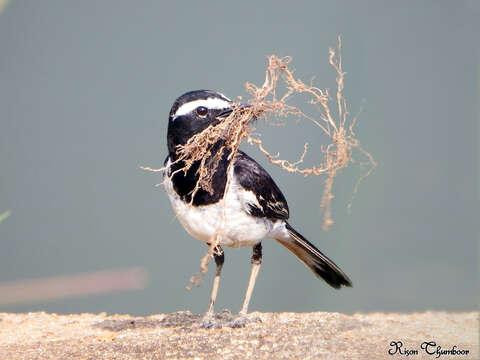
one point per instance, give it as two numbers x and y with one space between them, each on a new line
228 219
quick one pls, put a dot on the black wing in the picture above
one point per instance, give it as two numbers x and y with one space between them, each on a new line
252 177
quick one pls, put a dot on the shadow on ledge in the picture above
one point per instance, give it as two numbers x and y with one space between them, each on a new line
181 319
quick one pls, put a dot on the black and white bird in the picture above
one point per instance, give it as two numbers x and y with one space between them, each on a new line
251 209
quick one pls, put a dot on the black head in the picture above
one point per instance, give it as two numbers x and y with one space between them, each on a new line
193 112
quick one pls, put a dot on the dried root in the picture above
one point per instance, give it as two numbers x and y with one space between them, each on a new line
266 101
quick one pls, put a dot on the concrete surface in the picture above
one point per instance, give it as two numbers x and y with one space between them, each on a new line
278 336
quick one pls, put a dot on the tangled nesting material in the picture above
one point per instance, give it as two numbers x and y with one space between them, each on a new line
265 101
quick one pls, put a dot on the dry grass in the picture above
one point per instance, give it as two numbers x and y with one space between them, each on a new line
266 101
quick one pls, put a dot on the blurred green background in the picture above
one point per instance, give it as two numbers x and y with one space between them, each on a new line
85 91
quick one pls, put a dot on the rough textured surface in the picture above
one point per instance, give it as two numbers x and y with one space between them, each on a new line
277 336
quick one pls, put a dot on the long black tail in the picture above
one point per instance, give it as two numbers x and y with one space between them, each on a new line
321 265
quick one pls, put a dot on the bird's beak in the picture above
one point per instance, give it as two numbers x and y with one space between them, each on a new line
244 105
227 112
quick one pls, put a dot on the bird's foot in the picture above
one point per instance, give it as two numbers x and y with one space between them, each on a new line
242 320
224 318
214 321
217 321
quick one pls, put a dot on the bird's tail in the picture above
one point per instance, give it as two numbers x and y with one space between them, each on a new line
321 265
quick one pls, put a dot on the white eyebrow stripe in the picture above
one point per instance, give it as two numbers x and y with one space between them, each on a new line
210 103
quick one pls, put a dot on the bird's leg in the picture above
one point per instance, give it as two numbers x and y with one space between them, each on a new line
209 319
219 257
256 263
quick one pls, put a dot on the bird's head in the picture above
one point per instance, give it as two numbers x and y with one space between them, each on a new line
193 112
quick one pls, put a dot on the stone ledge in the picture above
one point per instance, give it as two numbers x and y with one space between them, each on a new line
280 335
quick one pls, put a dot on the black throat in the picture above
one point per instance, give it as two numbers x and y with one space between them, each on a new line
185 183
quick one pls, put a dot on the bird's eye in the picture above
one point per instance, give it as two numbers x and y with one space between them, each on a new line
202 111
